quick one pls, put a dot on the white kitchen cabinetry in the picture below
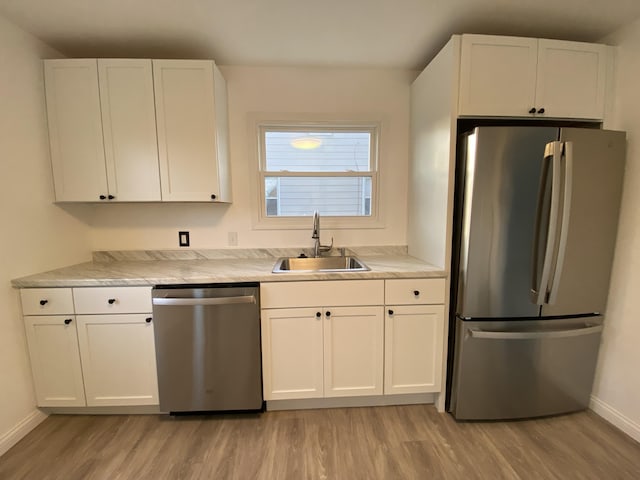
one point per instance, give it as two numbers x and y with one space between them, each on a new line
353 351
75 130
113 138
103 345
191 112
102 130
328 344
50 327
118 359
292 353
528 77
414 335
117 346
55 360
129 127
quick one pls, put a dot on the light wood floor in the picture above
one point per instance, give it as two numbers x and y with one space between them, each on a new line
409 442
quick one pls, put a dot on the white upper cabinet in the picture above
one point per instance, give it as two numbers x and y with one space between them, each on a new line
527 77
571 79
497 75
114 138
129 126
75 130
192 130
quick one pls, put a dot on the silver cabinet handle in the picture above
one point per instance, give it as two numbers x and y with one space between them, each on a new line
574 332
204 301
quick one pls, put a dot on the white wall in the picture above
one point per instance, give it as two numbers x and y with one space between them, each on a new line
36 234
259 90
617 385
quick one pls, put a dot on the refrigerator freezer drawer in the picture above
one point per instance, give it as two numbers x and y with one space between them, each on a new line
520 369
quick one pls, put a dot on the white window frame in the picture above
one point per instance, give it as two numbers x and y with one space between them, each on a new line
261 123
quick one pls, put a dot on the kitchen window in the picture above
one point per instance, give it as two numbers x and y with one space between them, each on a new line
331 168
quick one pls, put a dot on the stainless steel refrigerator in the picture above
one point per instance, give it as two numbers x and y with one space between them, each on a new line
536 220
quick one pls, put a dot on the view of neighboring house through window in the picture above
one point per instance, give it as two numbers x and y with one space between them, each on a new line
324 168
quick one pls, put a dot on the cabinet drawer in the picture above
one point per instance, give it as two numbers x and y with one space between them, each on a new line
112 299
334 293
414 291
46 301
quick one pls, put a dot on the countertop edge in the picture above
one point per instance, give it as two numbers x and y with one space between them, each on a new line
151 273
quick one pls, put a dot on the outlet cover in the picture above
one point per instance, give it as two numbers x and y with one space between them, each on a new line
183 239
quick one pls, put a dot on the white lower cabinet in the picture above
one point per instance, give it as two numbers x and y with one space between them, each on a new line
55 360
292 351
322 352
93 359
312 350
118 359
414 335
413 349
353 351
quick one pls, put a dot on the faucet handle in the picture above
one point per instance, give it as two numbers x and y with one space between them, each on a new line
326 248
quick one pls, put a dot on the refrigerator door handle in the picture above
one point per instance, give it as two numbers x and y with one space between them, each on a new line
552 150
564 224
532 335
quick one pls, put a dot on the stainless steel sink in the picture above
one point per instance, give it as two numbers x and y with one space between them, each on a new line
320 264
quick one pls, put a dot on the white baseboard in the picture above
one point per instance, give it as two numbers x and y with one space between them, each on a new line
616 418
20 430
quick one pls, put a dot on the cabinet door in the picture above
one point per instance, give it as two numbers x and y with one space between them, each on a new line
571 79
129 126
353 351
413 349
55 360
497 75
292 353
75 130
118 359
186 120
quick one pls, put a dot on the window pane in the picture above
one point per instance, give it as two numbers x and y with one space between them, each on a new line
331 196
317 151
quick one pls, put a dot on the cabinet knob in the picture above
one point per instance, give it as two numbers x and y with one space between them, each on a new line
110 197
541 110
327 313
148 319
44 302
111 301
390 312
533 110
318 314
213 196
416 292
103 197
67 321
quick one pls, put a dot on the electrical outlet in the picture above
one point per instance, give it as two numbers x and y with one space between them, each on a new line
183 239
233 239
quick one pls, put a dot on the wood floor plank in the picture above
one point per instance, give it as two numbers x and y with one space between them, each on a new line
398 442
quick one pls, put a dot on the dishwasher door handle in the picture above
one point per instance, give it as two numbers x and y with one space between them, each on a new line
204 301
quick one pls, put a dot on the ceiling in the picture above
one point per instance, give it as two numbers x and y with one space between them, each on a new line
371 33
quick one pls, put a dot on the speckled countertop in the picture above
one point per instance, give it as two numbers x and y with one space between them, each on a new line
176 267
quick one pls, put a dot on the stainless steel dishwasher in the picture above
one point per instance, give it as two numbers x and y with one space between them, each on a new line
208 347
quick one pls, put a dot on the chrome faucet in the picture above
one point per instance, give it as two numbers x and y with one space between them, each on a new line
318 248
